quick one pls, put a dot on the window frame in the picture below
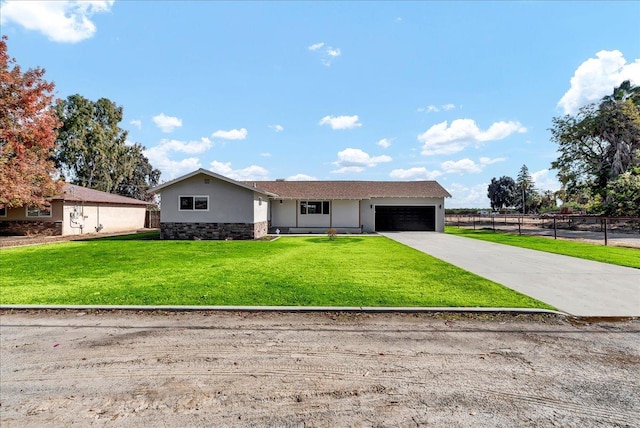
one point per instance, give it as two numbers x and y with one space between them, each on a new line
38 214
193 205
324 207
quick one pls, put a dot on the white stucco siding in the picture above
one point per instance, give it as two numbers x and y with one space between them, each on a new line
228 203
368 213
101 218
260 208
345 213
283 214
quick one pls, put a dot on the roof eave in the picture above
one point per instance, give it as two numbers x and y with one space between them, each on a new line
157 189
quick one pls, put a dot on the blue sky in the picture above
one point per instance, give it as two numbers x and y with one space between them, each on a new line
459 92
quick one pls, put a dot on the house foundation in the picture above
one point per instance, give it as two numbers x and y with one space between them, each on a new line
30 228
213 231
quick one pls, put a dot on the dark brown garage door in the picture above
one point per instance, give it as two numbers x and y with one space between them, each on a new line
405 218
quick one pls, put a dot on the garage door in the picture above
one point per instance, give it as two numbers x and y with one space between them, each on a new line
405 218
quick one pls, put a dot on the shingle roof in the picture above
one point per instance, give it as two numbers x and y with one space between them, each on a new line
352 189
73 193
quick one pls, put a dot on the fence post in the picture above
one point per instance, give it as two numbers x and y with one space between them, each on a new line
493 222
605 231
519 232
555 233
474 221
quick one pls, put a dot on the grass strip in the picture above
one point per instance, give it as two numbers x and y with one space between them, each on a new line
622 256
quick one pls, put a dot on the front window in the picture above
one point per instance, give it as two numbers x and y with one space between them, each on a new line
194 203
39 212
314 207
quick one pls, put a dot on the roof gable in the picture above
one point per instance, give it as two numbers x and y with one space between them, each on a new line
244 185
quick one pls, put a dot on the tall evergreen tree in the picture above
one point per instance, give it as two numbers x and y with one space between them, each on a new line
525 186
93 151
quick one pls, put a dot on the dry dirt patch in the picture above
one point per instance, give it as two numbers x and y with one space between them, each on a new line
71 368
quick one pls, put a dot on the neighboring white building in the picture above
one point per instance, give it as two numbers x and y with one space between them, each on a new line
77 210
206 205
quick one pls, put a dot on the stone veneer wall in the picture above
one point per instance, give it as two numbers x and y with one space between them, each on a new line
214 231
29 228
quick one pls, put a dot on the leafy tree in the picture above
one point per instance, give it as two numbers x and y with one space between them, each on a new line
623 194
27 134
143 175
502 192
93 151
525 186
547 201
599 143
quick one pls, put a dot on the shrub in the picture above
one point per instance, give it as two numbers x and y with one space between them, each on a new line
332 233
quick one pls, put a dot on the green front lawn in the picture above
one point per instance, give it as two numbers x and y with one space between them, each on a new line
295 271
621 256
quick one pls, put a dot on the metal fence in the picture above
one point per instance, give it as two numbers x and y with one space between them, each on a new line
623 231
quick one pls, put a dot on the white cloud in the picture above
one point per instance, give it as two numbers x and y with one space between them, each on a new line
301 177
333 52
544 180
461 166
489 161
416 173
349 157
277 128
233 134
340 122
385 143
348 170
596 77
162 156
265 155
315 46
327 53
467 165
136 123
189 147
167 123
252 172
435 109
443 139
468 197
60 21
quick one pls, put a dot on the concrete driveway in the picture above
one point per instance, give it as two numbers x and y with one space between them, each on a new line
576 286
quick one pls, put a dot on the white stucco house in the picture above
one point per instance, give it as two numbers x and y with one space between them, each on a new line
206 205
75 211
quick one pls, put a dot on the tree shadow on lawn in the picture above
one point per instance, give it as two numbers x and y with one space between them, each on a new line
144 236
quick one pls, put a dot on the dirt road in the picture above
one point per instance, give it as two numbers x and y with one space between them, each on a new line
288 370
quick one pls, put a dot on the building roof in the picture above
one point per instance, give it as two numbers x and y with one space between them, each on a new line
245 185
74 193
351 189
